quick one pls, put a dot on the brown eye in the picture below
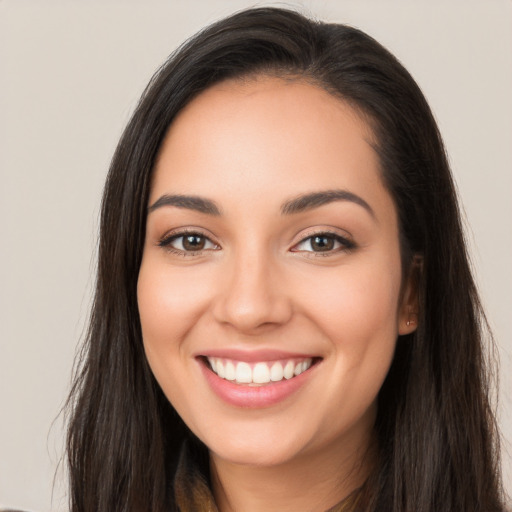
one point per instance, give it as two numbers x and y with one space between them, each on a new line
193 242
187 243
322 243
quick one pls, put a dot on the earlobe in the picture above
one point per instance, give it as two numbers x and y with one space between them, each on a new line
409 322
409 308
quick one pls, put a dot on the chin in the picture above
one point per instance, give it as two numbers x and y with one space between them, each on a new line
260 449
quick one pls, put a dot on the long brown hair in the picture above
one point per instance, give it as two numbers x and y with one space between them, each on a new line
438 443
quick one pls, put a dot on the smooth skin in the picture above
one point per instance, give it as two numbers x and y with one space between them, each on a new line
254 278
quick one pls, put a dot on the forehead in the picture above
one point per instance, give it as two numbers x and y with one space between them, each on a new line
271 104
266 136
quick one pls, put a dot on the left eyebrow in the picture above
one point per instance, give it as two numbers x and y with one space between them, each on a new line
199 204
315 199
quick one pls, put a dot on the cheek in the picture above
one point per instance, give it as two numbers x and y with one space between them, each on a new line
354 301
169 303
356 310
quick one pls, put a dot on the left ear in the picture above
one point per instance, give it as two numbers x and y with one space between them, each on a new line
408 312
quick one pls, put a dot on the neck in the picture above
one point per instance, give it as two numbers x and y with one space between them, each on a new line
313 482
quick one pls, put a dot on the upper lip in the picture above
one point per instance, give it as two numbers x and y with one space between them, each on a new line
254 355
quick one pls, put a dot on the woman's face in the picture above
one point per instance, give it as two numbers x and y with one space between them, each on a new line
270 286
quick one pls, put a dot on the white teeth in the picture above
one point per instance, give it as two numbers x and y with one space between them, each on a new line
260 373
288 370
276 372
243 373
229 369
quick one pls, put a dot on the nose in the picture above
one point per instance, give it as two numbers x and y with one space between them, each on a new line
253 296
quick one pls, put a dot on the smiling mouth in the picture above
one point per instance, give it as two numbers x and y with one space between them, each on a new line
258 373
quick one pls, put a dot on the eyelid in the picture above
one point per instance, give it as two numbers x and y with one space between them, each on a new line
166 240
346 242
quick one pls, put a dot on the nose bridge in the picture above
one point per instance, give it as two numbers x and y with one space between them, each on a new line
252 294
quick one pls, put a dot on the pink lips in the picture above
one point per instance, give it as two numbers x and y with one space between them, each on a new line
253 396
253 355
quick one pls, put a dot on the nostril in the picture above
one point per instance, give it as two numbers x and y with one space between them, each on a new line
250 297
248 314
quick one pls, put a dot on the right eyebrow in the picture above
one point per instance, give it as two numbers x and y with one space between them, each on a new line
196 203
316 199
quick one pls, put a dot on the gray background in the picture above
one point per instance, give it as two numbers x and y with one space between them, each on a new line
70 75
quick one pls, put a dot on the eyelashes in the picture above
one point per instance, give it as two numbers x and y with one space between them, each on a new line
187 243
194 243
324 243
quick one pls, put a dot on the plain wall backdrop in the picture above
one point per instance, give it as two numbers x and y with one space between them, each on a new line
71 73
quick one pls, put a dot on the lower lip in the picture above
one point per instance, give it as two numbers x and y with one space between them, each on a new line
254 397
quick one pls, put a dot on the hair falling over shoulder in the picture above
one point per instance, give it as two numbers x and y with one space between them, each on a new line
437 436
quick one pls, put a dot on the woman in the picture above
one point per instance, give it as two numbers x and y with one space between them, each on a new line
284 317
